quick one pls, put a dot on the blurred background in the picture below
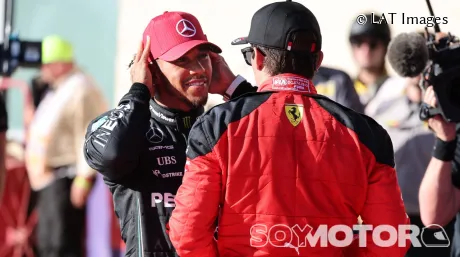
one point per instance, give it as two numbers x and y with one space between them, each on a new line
104 35
92 28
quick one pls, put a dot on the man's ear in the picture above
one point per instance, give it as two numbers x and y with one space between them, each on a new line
319 60
258 59
157 74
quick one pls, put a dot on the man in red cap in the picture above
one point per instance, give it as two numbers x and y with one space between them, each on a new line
139 147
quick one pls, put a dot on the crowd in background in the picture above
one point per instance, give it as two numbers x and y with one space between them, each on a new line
66 100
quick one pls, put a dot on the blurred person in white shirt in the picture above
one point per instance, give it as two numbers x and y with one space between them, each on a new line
54 157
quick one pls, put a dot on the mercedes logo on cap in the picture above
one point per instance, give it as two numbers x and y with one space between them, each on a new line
185 28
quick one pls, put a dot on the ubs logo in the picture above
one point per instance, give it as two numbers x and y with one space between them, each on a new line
166 160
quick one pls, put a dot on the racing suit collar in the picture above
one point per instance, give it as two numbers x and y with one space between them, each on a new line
183 121
288 82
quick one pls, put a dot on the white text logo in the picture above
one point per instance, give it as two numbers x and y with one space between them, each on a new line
297 236
166 160
167 198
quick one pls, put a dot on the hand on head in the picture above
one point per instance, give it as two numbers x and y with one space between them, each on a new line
140 68
222 76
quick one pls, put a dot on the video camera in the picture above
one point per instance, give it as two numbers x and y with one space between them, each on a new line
438 60
443 73
15 52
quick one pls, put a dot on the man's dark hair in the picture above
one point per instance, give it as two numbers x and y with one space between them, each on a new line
302 63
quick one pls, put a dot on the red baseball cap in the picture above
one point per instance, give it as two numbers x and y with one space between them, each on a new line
173 34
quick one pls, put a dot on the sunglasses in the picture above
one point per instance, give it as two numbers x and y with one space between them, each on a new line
248 54
372 43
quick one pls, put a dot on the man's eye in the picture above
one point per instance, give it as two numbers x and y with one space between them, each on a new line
203 56
181 60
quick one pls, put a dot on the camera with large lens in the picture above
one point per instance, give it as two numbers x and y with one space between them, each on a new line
443 73
437 57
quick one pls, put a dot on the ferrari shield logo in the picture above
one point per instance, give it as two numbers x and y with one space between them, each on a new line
294 113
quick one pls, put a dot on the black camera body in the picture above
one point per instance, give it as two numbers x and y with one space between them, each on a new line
16 53
443 73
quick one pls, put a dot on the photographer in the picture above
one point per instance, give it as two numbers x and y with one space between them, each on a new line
440 189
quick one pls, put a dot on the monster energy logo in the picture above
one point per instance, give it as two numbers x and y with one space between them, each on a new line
187 122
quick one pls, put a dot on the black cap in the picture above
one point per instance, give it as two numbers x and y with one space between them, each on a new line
273 25
371 29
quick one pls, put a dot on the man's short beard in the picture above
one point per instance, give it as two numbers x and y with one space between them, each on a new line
194 103
199 102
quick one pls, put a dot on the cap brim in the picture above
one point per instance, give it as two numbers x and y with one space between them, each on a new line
181 49
240 41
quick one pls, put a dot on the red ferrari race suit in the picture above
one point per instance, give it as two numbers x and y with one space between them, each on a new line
277 164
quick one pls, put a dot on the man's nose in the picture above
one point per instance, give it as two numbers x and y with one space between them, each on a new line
365 47
197 67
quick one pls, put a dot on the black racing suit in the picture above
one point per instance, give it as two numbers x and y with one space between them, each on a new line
139 148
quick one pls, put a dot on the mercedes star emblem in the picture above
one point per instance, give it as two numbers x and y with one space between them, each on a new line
185 28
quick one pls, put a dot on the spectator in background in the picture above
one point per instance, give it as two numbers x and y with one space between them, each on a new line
369 43
54 156
338 86
3 129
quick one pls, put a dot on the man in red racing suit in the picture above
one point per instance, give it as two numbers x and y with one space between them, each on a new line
283 165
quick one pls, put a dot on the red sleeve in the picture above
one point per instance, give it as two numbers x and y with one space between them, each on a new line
192 223
384 206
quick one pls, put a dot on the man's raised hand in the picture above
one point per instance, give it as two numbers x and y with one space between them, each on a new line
140 71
